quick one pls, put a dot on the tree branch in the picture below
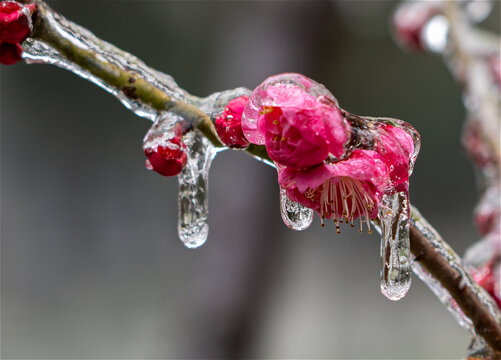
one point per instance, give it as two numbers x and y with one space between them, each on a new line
427 246
438 258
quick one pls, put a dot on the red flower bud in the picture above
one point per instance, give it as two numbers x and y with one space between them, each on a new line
15 21
10 54
168 158
229 124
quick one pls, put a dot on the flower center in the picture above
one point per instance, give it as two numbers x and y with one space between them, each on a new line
343 200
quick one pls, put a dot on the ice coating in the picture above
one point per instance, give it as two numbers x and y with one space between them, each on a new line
161 130
39 52
445 251
283 90
443 295
395 245
295 216
193 227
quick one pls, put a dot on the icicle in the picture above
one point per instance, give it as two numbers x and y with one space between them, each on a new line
193 227
395 246
295 216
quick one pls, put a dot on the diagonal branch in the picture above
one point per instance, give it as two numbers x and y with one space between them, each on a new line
56 36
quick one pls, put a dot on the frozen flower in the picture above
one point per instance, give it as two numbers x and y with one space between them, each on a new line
229 124
298 120
396 147
342 190
15 21
168 157
303 137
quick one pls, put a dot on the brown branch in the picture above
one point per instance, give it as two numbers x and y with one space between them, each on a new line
435 256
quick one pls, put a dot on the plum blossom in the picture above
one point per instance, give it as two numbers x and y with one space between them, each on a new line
344 190
229 124
303 137
338 164
297 119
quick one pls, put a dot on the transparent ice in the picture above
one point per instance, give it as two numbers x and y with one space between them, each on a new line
160 132
295 216
395 246
193 227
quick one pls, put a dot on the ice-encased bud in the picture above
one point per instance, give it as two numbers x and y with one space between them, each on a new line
282 90
164 147
229 124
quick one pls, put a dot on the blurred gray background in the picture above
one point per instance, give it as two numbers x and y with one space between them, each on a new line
91 266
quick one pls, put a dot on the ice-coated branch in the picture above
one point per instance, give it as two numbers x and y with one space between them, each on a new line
145 91
441 262
148 93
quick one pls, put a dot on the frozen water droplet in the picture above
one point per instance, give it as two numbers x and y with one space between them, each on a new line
193 227
295 216
395 246
148 165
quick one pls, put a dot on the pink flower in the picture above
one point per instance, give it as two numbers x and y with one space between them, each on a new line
298 120
168 158
342 190
303 137
396 147
229 124
10 54
15 21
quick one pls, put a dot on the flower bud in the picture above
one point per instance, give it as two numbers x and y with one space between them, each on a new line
169 157
229 124
15 21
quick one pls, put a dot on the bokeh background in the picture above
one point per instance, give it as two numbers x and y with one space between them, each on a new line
91 266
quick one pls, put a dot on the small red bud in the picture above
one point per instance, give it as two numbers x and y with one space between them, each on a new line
229 124
15 21
169 158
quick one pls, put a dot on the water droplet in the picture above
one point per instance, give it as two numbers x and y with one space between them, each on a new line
295 216
395 246
193 227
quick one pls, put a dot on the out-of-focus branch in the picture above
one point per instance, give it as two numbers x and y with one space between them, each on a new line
450 274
